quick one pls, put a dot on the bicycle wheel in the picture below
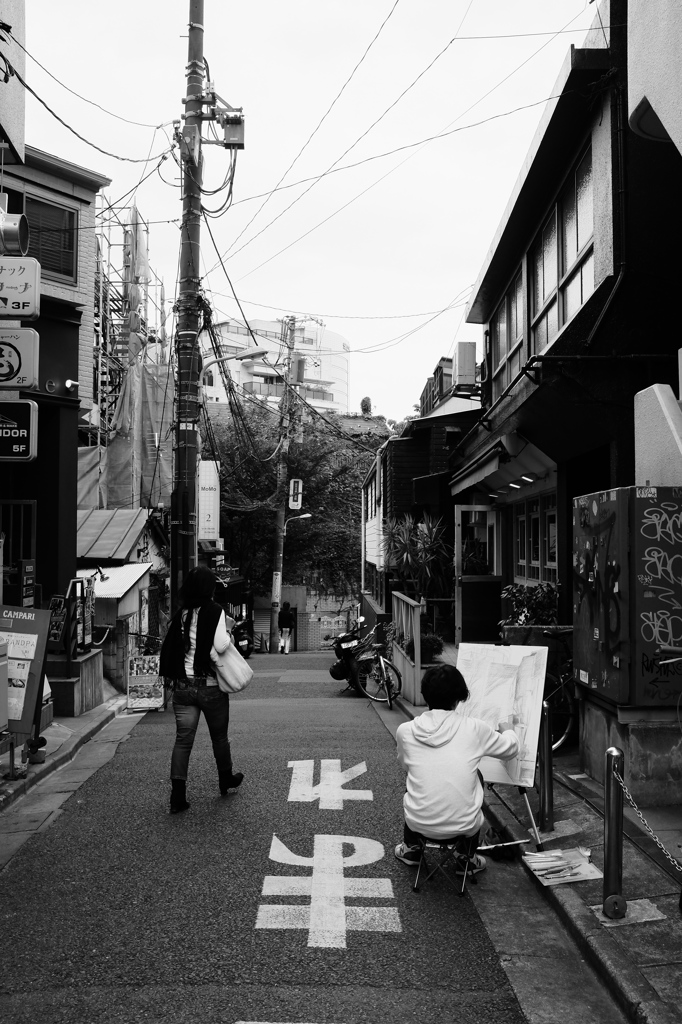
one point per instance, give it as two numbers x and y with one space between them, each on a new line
562 708
373 684
393 678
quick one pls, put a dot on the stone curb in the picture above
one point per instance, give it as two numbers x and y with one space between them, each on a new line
636 997
11 791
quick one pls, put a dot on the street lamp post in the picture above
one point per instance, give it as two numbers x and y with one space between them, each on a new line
304 515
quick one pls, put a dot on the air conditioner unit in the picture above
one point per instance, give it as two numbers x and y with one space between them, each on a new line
465 364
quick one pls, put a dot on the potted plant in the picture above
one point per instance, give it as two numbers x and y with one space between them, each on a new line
430 645
534 605
531 610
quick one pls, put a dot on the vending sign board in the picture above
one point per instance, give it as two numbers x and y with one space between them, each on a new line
19 288
18 358
24 630
18 431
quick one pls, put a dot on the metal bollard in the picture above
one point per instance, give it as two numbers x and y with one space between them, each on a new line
546 815
614 906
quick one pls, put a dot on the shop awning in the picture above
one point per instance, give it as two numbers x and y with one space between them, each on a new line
109 535
118 579
511 460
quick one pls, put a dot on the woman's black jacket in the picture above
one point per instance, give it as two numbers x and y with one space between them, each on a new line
172 659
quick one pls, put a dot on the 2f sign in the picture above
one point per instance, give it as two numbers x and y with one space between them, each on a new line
295 493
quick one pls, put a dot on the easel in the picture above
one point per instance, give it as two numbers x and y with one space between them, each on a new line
475 656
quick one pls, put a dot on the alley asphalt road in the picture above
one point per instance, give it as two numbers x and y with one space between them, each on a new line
255 907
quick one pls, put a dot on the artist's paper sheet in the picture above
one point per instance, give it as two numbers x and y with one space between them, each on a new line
506 685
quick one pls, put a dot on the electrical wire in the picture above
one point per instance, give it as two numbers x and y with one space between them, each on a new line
325 316
357 141
105 152
140 124
315 130
425 142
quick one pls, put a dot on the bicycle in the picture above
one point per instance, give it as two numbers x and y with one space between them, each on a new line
380 680
559 691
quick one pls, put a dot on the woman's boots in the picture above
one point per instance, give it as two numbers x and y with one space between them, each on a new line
178 800
229 780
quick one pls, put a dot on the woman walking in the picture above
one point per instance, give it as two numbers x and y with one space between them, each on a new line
186 662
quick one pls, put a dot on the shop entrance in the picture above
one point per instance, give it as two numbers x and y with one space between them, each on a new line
478 582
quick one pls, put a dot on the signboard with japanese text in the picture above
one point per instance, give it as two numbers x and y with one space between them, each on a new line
19 288
25 631
18 358
18 431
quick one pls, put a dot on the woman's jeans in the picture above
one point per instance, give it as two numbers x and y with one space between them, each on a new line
284 639
188 703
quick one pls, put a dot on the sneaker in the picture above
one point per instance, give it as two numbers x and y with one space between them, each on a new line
476 863
408 854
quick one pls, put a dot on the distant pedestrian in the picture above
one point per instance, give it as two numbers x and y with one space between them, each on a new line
286 623
194 631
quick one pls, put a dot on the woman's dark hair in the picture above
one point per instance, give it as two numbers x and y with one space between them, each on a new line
286 606
197 589
443 686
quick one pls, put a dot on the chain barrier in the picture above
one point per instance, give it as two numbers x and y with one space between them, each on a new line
628 796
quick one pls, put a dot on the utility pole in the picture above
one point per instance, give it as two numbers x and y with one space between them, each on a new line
190 303
287 414
189 315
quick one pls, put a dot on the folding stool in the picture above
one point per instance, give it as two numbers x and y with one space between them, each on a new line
450 852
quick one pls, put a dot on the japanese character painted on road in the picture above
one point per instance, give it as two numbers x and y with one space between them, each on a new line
326 916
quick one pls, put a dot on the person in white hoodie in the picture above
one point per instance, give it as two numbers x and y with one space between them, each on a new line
441 752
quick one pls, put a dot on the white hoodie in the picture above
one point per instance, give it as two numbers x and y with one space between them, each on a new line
441 751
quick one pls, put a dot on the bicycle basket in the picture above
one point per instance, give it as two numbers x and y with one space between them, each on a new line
338 671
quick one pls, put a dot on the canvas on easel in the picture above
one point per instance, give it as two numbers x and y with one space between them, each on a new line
506 684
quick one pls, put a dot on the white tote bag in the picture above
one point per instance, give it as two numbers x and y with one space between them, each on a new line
232 672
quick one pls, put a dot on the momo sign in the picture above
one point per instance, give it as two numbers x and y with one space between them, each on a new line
18 431
18 358
19 288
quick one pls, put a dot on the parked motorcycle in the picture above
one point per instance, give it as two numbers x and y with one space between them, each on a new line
361 661
242 634
348 648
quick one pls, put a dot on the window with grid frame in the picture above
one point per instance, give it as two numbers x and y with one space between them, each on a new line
506 332
561 262
54 238
535 540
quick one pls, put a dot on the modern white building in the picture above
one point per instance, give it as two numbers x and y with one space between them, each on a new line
324 367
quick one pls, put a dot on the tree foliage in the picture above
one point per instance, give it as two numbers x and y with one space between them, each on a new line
322 552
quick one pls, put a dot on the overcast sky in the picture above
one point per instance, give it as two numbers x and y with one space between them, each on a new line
388 244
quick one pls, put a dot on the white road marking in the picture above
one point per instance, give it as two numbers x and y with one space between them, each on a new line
329 791
327 917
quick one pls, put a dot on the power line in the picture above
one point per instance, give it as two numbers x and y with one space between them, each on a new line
140 124
115 156
359 139
425 142
268 195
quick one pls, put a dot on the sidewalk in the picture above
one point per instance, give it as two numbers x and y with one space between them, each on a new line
641 954
65 737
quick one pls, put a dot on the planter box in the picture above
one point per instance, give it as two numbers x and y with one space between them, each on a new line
72 696
412 678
